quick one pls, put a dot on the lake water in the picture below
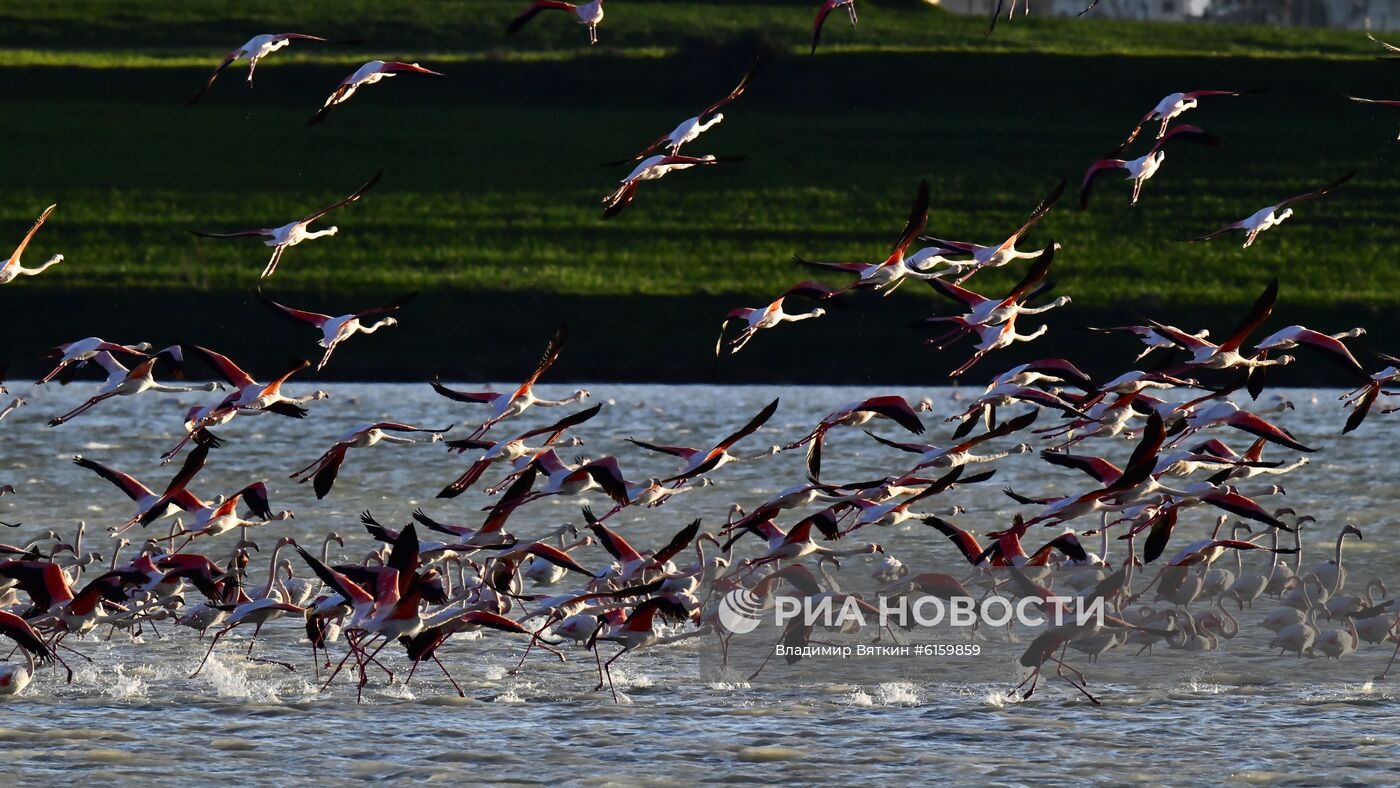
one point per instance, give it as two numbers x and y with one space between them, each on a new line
133 713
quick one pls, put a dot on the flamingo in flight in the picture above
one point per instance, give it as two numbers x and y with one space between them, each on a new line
692 128
1005 252
323 471
824 11
1141 169
590 14
13 268
335 330
368 74
771 316
1273 215
701 461
1380 102
983 311
293 233
257 48
248 396
888 274
1226 355
144 497
654 168
72 355
504 406
512 448
123 382
1172 105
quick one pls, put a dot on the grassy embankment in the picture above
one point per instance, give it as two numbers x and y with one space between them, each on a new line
489 200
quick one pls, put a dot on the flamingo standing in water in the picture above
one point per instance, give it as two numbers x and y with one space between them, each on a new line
504 406
1172 105
824 11
12 267
123 382
368 74
1273 215
590 14
691 128
1141 169
335 330
256 48
759 318
323 471
293 233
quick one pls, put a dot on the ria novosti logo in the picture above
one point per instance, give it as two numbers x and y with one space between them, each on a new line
740 611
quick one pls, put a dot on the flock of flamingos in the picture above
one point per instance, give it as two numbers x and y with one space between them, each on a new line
586 588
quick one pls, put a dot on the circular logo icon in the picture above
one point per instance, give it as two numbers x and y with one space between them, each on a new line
740 611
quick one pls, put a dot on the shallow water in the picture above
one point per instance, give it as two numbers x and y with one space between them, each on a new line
133 713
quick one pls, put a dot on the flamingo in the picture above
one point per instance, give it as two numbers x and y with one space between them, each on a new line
931 456
654 168
562 478
1328 344
368 74
335 330
771 316
824 11
1273 215
13 268
690 129
888 274
142 495
701 461
255 49
997 337
638 631
1173 104
323 471
14 678
589 14
123 382
73 355
504 406
293 233
1380 102
248 396
219 517
1005 252
1226 354
513 448
1141 169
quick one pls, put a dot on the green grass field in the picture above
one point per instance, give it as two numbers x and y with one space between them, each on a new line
492 181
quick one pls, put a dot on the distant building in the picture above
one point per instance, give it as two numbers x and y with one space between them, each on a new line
1383 14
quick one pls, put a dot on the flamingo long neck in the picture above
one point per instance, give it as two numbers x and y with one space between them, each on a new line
1337 578
373 328
326 551
272 571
